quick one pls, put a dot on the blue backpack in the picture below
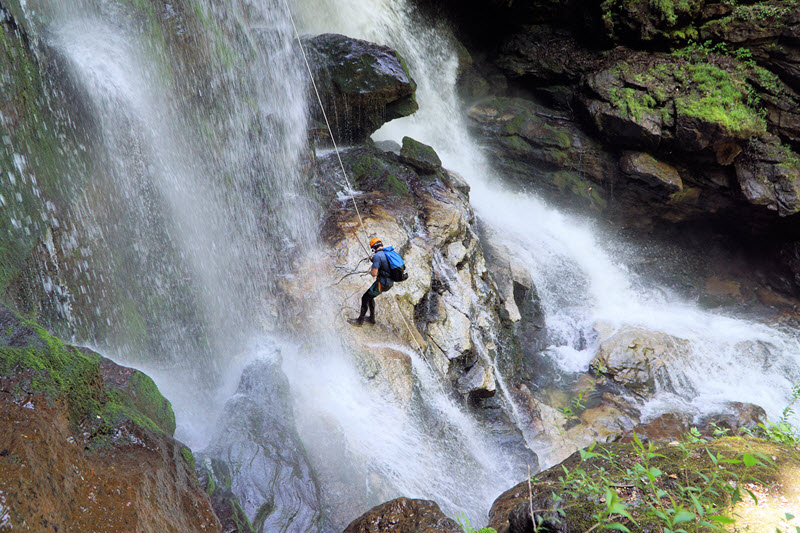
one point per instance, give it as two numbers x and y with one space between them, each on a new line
397 268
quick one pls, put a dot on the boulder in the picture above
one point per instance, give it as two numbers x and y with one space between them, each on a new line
404 515
257 453
419 155
91 447
769 175
736 416
654 173
362 85
637 358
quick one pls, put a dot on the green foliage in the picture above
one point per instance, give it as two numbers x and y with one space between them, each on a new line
688 487
783 431
670 9
466 525
577 404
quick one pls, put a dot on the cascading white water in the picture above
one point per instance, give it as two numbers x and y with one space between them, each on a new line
197 206
578 281
193 218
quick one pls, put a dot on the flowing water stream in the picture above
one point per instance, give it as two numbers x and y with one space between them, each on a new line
172 235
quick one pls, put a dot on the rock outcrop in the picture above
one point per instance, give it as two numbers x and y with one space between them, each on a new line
362 85
92 445
648 114
448 309
257 456
637 358
404 515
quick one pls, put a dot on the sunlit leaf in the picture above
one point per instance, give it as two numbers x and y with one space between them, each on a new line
722 519
617 526
683 516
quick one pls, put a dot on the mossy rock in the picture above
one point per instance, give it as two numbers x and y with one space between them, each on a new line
569 497
420 155
371 170
98 394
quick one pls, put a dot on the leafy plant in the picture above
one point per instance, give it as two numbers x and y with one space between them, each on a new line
466 525
782 431
624 491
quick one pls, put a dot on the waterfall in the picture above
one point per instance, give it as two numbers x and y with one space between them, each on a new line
195 210
198 209
579 280
197 205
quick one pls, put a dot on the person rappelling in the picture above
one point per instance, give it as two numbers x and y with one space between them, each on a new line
387 267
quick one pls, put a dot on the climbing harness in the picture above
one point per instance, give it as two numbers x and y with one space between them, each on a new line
341 164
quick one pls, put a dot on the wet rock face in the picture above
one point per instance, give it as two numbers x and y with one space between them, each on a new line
544 148
257 456
450 301
362 85
91 448
404 515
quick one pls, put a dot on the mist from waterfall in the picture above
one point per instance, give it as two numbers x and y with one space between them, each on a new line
579 281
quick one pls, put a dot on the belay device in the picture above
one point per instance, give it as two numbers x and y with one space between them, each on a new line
397 267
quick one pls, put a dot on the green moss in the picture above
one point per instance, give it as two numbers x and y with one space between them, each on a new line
142 402
188 456
61 372
701 88
632 103
371 172
719 97
65 374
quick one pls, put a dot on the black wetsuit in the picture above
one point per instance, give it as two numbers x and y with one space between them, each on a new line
382 284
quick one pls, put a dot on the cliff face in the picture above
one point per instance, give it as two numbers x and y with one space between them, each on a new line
649 114
88 444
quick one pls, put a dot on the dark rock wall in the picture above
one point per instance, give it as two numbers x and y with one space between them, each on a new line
680 114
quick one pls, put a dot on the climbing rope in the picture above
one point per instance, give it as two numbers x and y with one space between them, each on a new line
327 122
341 164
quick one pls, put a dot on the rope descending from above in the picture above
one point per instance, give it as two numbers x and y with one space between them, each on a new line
327 122
341 164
